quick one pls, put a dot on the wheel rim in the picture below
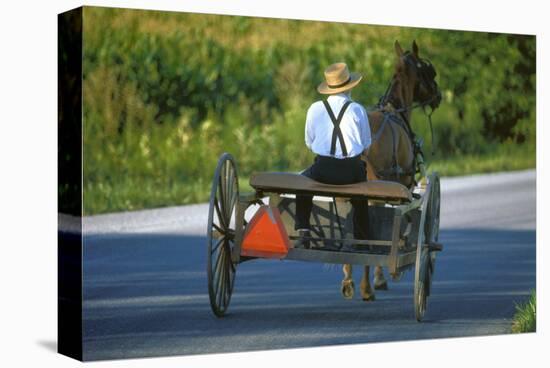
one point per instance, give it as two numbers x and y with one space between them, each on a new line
432 221
421 303
423 285
221 234
425 259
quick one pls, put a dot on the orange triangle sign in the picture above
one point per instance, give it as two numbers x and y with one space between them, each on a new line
265 235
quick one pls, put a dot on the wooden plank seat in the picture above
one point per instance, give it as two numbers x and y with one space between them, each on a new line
280 182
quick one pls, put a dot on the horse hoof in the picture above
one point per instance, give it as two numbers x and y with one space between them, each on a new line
369 298
381 286
348 289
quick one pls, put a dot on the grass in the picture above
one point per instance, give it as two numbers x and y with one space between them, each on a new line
165 93
503 159
133 192
525 319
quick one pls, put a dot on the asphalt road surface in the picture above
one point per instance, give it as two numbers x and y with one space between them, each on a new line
145 288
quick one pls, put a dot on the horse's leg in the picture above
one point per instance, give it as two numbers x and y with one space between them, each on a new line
366 290
380 282
348 287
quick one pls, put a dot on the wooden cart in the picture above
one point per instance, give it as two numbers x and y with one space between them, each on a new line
403 227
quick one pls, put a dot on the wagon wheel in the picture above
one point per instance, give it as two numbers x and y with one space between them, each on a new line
431 226
422 285
425 261
221 234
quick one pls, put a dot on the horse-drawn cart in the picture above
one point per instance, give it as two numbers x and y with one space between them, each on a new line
403 227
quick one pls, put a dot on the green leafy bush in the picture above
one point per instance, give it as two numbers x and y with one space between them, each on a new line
166 93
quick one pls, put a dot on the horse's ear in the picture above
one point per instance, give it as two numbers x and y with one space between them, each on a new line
398 49
415 49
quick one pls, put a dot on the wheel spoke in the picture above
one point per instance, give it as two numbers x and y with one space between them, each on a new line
218 285
224 185
223 189
227 287
230 180
227 194
218 262
231 247
234 197
218 229
217 270
219 213
220 242
222 194
221 281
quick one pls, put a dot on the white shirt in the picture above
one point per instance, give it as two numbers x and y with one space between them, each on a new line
354 126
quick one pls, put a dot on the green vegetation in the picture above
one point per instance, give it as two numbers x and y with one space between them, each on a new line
166 93
525 319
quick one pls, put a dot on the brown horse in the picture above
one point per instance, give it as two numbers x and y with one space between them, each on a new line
391 155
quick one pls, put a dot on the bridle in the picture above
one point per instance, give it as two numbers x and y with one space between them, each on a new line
426 77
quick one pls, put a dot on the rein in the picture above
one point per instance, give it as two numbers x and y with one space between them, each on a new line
398 116
385 98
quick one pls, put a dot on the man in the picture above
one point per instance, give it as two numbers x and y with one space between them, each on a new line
338 132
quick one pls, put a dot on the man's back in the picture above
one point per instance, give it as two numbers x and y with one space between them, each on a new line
354 127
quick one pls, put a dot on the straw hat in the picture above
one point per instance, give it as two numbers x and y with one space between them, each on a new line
338 79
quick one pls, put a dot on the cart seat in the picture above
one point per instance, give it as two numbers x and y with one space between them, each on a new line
280 182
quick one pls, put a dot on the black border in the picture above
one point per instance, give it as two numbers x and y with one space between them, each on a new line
69 156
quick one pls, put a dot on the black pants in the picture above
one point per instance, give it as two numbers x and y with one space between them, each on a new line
329 170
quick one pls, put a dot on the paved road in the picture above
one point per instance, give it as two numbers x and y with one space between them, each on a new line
145 282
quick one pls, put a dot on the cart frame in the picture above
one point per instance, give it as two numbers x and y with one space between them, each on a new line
413 239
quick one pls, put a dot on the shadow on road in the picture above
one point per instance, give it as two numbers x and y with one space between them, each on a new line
147 295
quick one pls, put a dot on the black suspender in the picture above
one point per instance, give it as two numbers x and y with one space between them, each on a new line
337 132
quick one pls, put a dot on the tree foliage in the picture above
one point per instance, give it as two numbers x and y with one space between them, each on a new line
166 93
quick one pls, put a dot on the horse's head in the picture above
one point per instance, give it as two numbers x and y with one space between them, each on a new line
419 74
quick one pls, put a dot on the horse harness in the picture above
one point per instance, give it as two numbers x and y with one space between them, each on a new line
397 116
395 172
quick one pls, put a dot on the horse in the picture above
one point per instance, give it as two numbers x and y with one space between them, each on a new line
392 154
